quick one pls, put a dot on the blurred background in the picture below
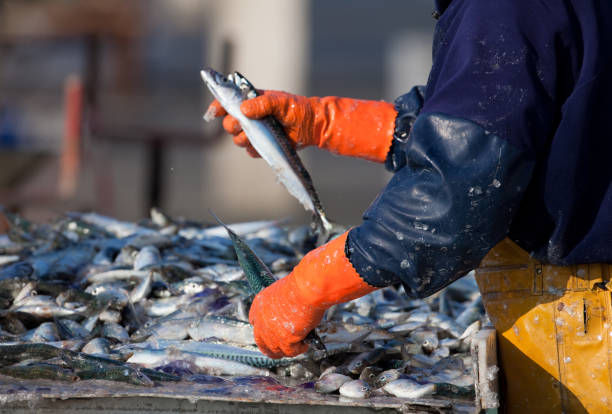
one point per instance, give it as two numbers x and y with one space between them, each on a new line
101 102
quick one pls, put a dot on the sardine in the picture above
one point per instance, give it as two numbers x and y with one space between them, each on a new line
330 382
407 388
223 328
146 258
355 389
114 331
370 375
387 377
142 289
46 332
357 364
69 329
97 346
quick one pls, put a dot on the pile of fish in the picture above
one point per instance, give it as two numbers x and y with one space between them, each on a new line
91 297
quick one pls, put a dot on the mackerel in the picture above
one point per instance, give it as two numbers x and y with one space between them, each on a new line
269 139
259 276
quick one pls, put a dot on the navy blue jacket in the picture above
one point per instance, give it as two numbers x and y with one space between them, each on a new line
510 137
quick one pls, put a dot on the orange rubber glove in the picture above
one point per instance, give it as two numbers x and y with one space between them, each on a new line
286 311
344 126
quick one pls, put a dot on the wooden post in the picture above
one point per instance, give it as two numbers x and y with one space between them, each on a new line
484 357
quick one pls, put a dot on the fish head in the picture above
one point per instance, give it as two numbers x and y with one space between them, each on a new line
246 88
223 89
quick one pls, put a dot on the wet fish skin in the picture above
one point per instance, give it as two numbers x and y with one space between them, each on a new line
339 332
224 351
357 364
387 377
206 364
97 346
116 227
447 324
69 329
257 273
114 297
428 339
159 376
269 139
46 332
44 311
330 382
96 367
177 328
38 370
221 327
13 353
191 285
114 331
259 276
355 389
407 388
142 289
116 373
370 375
472 313
147 258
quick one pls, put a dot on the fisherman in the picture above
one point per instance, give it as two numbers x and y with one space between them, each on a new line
501 164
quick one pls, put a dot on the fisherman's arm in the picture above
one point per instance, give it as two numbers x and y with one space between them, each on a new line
459 176
344 126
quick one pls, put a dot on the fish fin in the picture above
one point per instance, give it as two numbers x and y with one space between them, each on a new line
257 273
212 213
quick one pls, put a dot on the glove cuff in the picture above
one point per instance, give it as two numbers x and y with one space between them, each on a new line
326 277
355 128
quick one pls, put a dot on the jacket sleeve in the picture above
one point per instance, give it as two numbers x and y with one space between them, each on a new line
469 156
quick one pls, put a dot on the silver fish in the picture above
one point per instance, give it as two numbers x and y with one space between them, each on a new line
70 329
111 225
407 388
241 229
269 139
115 331
355 389
370 375
46 332
330 382
208 365
386 377
223 328
142 289
146 258
357 364
97 346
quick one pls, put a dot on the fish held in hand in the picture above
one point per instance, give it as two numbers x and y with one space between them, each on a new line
259 276
269 139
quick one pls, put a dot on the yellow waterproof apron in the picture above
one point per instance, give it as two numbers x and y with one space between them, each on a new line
554 331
